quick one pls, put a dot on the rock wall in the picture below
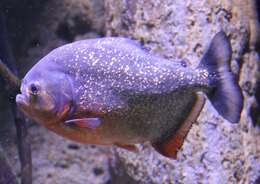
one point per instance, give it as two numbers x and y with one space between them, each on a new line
215 151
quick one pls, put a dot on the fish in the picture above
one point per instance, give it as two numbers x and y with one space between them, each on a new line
113 91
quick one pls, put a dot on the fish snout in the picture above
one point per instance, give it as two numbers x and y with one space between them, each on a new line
21 101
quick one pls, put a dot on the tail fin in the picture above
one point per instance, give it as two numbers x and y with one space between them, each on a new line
226 96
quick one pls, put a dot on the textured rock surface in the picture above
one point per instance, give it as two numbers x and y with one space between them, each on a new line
215 151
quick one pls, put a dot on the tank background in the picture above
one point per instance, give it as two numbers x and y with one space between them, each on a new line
215 151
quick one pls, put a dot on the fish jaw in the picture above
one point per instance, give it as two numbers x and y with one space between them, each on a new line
22 103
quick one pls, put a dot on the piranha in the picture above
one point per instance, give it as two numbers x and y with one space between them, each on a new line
112 91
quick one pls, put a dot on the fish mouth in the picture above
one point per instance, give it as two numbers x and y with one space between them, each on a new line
22 102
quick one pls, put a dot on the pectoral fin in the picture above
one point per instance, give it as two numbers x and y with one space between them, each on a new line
170 147
129 147
91 123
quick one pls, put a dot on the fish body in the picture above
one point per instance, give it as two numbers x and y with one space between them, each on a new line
111 91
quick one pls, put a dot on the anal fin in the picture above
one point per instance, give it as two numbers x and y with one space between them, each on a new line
170 147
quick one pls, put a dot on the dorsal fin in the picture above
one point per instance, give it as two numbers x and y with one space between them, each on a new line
170 147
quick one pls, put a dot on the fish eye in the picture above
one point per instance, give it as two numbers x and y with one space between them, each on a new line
34 89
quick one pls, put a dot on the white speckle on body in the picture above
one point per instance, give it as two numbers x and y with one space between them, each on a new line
101 66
